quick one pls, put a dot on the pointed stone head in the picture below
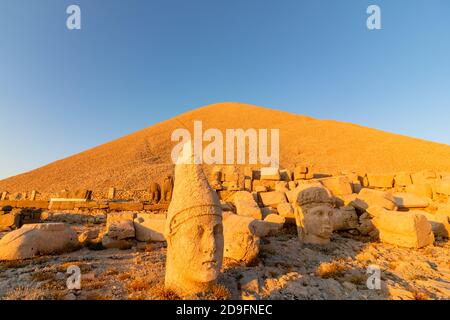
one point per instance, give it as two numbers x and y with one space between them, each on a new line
193 231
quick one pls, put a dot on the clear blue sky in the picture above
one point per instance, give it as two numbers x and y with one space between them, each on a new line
137 62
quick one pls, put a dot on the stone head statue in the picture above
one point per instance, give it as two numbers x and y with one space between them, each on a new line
315 224
194 233
313 216
167 188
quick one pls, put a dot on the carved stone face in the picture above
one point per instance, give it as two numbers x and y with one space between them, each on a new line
314 223
317 222
198 250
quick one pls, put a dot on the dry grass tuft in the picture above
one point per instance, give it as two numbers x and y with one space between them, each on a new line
124 276
138 284
159 292
420 295
28 293
85 268
43 275
332 269
220 292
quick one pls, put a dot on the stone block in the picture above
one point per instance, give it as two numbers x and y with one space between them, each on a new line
246 205
421 190
150 227
374 198
126 206
273 199
405 229
402 179
268 173
380 180
338 186
409 200
443 187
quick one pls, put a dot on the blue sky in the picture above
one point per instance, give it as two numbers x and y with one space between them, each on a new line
137 62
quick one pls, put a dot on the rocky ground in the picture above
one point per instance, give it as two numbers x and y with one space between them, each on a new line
284 270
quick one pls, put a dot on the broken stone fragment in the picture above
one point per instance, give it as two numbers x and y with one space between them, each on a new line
338 186
402 179
274 223
440 223
374 198
273 198
344 219
424 177
443 187
120 225
111 243
405 229
286 210
270 174
409 200
38 239
150 227
422 190
380 180
246 205
10 220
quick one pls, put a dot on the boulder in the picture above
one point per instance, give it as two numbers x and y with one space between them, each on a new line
338 186
409 200
374 198
272 199
405 229
246 205
38 239
150 227
241 242
380 180
344 219
402 179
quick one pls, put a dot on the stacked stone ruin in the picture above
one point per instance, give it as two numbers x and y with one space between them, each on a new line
260 202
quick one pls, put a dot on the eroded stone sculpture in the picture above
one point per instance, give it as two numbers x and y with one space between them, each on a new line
167 188
194 231
313 214
155 192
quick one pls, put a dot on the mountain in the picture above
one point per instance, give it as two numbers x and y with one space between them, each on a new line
135 160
